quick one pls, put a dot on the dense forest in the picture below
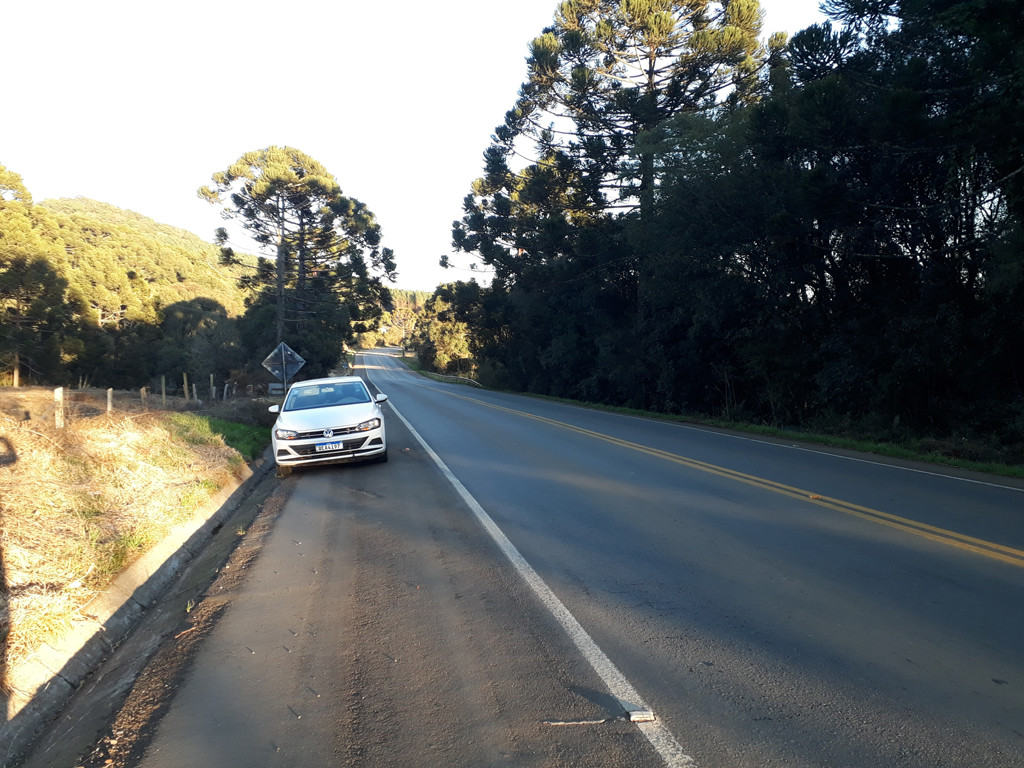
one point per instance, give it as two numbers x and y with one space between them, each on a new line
822 232
94 295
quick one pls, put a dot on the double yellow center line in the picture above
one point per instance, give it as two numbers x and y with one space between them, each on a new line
952 538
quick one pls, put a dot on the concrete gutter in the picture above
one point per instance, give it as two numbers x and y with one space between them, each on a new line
45 682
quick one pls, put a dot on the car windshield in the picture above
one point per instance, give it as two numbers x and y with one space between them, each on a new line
326 395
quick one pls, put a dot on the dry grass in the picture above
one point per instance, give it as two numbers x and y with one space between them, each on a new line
79 504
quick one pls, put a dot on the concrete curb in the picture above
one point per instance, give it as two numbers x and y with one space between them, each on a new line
43 684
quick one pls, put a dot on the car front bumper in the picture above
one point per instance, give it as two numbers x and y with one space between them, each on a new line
300 453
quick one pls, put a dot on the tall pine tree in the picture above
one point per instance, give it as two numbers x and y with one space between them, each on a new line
327 260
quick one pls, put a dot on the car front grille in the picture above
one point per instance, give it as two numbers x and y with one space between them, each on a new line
318 434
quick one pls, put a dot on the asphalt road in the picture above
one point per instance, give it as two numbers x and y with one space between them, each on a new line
522 574
773 604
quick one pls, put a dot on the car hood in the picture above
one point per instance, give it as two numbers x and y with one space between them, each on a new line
330 417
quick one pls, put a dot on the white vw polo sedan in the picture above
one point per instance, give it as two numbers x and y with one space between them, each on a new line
327 421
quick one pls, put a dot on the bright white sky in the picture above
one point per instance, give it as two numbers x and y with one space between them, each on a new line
137 103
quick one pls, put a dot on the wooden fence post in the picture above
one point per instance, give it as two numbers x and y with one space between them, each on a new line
110 400
163 391
58 411
142 395
185 378
213 389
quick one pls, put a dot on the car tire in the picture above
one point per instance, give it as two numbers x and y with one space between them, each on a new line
383 458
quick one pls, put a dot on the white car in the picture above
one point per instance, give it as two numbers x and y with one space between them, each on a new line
328 421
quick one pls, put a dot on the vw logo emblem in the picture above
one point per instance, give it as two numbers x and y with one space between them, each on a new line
328 433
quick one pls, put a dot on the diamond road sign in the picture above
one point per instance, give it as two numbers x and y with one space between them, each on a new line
284 362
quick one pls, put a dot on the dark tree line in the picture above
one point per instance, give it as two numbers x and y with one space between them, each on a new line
819 233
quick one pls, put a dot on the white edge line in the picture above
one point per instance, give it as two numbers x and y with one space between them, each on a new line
657 734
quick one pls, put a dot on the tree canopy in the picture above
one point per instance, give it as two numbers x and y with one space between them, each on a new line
817 232
86 289
324 281
601 76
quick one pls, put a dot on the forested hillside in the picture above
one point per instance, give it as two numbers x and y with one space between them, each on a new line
94 294
682 215
175 264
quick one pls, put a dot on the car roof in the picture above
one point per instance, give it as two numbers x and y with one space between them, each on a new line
326 380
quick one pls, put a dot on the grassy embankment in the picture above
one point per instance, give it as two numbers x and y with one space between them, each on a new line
79 504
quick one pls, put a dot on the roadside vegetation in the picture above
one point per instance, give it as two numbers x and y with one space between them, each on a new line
821 234
80 504
248 440
962 453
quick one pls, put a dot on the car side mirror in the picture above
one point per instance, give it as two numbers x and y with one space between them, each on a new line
382 398
275 408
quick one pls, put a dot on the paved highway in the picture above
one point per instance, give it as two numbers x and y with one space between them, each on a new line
772 604
533 584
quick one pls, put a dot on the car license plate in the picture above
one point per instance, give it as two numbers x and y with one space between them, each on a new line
321 447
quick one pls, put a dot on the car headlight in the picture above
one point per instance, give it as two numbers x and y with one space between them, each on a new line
366 426
285 434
